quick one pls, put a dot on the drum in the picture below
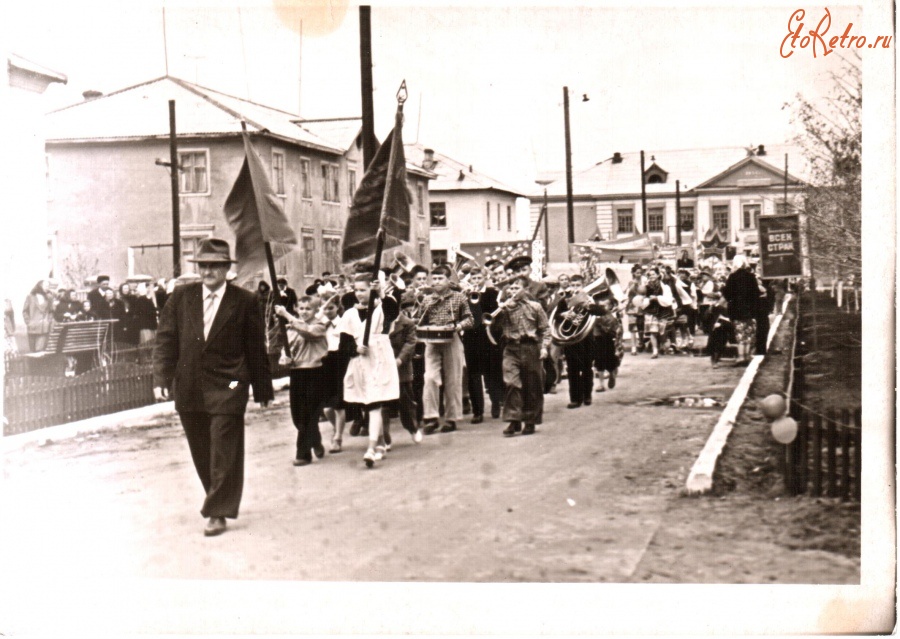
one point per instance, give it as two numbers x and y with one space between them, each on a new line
434 334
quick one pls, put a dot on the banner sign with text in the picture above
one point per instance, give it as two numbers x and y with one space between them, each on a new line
779 246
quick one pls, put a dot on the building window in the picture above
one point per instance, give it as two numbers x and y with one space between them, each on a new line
438 214
422 252
420 199
194 172
781 209
438 257
487 215
351 183
509 221
278 171
309 254
720 216
331 253
499 226
305 186
655 220
330 184
625 220
687 218
751 215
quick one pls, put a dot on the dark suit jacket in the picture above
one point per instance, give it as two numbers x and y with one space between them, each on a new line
212 375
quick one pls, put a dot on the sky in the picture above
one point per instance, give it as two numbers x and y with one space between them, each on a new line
485 84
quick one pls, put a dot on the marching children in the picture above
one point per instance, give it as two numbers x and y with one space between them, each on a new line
334 367
608 349
307 346
526 338
371 378
403 343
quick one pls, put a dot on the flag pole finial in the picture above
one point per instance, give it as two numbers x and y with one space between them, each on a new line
402 93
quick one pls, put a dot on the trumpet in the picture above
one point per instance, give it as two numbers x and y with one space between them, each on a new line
488 318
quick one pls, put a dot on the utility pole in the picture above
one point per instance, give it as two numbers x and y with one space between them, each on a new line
176 212
678 211
365 73
570 207
643 196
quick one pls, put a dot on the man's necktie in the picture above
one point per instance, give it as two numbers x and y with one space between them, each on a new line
209 312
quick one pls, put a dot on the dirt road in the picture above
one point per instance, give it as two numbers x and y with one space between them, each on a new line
594 496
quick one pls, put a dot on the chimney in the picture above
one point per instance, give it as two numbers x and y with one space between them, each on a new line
617 158
462 176
760 150
428 163
91 94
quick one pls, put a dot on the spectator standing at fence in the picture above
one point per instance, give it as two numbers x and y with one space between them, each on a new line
145 321
210 348
121 309
38 316
10 348
764 307
741 291
98 297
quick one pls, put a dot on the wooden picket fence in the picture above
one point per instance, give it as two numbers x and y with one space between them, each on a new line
826 457
33 402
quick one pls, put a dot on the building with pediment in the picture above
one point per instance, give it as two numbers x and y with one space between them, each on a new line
725 189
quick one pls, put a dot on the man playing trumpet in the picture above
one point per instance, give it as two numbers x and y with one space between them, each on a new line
483 359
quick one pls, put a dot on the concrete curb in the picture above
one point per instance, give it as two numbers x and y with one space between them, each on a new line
700 479
124 419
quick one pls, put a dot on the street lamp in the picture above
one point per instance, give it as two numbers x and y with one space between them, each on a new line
545 214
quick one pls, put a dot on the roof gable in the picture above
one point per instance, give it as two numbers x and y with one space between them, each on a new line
751 171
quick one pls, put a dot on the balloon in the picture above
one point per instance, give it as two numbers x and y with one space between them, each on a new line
784 430
773 407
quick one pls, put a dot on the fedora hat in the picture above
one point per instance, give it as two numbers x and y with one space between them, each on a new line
212 250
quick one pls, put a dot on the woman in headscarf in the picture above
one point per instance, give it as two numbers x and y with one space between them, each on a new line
741 291
38 316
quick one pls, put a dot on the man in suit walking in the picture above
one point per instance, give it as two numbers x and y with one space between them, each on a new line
210 349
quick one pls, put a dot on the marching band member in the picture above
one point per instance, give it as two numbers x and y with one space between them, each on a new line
444 362
539 291
483 359
579 356
608 346
526 339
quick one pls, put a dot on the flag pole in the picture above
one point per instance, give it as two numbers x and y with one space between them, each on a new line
379 238
270 260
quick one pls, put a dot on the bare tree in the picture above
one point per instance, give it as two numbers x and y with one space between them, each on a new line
77 266
831 138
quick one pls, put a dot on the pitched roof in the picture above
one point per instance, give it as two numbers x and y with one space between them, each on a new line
453 175
16 61
693 167
141 112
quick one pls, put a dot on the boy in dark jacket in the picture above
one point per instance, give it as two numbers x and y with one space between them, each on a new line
403 341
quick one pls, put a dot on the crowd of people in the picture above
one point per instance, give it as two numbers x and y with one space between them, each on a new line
490 341
135 307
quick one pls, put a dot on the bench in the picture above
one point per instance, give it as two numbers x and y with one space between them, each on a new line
78 337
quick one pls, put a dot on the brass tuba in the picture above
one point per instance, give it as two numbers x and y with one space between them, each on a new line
576 325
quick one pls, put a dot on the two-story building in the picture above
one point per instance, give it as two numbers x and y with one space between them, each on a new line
466 206
720 188
25 249
111 197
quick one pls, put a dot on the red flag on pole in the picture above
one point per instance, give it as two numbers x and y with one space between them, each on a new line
381 201
256 216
